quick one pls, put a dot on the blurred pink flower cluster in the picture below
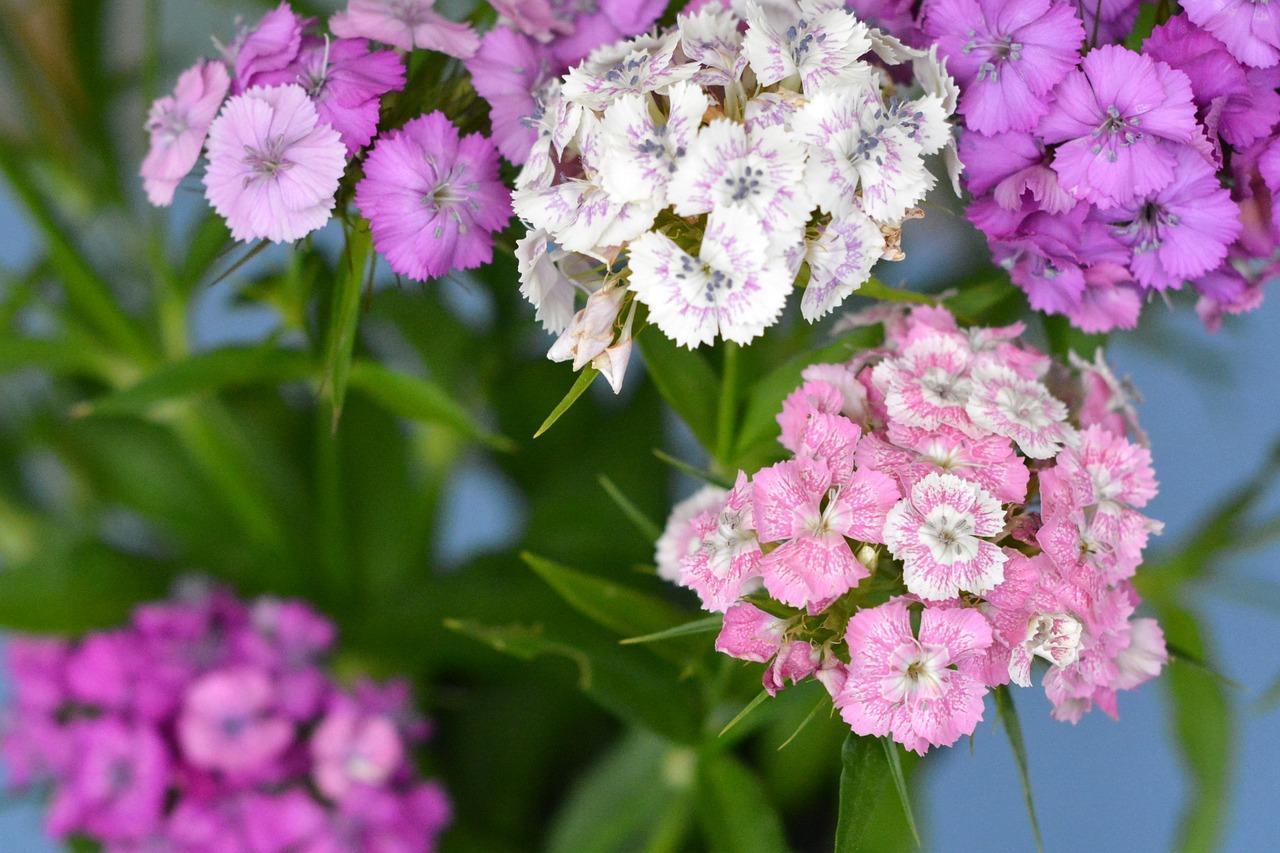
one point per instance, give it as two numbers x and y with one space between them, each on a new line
210 725
943 519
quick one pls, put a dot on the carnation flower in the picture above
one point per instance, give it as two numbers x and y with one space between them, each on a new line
433 199
939 473
273 168
231 762
406 24
661 156
178 125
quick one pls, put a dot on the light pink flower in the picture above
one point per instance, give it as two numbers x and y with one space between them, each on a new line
678 539
350 749
1018 408
801 505
178 125
908 687
1106 469
273 169
928 386
271 45
728 558
228 722
749 633
913 454
795 661
406 24
936 531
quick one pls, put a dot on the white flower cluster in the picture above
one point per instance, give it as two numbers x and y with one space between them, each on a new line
702 172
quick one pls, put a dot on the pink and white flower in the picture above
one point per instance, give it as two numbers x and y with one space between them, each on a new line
678 539
1021 409
910 687
178 125
727 560
937 531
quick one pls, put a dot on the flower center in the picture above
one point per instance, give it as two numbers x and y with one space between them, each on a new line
267 161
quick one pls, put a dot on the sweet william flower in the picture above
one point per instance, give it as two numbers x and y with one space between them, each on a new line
228 723
271 45
910 687
1006 55
1119 119
273 168
406 24
178 125
678 538
433 199
1249 29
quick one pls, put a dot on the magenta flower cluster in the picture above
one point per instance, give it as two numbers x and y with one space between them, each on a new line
211 725
1104 178
303 104
936 482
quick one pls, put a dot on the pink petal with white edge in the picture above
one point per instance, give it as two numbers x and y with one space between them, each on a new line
1020 409
860 508
749 633
814 397
809 571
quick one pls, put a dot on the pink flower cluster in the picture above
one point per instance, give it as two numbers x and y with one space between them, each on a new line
943 518
208 725
303 104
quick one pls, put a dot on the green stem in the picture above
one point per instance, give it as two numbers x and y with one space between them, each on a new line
727 413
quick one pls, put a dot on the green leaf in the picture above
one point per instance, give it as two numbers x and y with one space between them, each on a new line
1203 722
642 522
685 381
344 313
862 786
894 756
634 686
734 808
61 357
747 709
203 374
1008 715
420 400
692 471
620 803
1147 20
1065 338
615 607
709 625
584 380
876 289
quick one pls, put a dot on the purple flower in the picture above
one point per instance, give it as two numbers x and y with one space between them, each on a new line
1249 28
1116 119
506 72
406 24
1012 166
116 786
269 46
1181 231
1006 55
228 723
344 80
1241 105
600 23
178 125
273 168
432 199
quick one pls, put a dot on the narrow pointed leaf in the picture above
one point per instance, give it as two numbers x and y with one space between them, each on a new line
710 625
822 703
618 608
419 399
877 289
204 374
742 715
344 314
647 527
585 378
900 782
1008 715
693 471
685 381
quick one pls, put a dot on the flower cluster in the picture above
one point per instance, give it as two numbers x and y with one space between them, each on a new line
1101 179
208 725
303 104
704 171
943 519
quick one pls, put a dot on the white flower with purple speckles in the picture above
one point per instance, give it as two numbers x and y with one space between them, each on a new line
853 148
761 173
549 278
732 289
582 216
642 152
820 46
840 261
641 65
711 37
